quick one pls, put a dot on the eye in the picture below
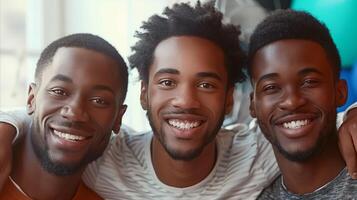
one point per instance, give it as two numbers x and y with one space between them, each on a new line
269 89
100 101
310 83
58 92
206 85
166 83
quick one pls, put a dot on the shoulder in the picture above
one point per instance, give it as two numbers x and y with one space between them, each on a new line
244 138
9 191
273 191
129 140
343 185
126 151
84 192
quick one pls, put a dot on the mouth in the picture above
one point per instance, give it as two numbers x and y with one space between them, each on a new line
296 124
68 139
184 124
68 136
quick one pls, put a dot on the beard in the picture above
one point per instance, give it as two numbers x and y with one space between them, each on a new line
41 150
187 155
327 133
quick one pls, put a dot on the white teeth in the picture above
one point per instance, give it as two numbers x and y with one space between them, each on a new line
68 136
184 124
295 124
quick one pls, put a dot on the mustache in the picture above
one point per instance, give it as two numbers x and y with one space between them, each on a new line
288 113
182 111
72 124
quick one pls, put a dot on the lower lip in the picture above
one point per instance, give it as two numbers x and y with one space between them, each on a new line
67 144
184 133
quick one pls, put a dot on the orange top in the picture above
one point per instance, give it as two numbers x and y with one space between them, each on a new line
10 192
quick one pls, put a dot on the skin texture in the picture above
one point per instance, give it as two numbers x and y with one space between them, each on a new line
188 85
89 107
293 80
6 136
348 142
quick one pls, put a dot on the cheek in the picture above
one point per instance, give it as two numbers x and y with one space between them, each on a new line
212 100
157 98
265 106
46 108
103 120
323 98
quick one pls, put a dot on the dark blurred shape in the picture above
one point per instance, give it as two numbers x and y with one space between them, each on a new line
271 5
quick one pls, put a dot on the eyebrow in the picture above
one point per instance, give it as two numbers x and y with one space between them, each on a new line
199 75
103 87
308 71
60 77
300 73
167 71
267 76
209 75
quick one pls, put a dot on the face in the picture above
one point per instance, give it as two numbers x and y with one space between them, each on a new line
75 106
295 96
187 95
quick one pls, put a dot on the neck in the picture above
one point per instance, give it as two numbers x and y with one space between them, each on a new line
182 173
312 174
36 182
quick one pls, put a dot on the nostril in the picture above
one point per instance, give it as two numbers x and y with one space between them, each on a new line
74 113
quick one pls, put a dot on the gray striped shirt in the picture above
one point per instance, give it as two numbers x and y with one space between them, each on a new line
244 166
343 187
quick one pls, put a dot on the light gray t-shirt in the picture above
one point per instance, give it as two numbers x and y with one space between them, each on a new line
245 165
343 187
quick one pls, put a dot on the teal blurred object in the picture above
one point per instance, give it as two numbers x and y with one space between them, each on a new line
340 16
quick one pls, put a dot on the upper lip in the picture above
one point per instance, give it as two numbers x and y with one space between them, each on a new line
294 117
188 117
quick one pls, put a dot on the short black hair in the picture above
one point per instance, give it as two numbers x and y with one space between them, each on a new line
292 24
202 21
86 41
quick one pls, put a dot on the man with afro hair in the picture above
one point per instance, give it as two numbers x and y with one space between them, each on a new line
294 67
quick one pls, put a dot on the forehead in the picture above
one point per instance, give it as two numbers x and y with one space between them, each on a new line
189 55
69 55
83 66
290 56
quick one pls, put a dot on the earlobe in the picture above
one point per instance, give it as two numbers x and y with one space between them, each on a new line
31 105
251 106
342 92
118 120
143 96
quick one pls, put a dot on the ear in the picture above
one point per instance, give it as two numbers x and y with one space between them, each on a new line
143 95
341 92
229 100
31 104
252 105
118 119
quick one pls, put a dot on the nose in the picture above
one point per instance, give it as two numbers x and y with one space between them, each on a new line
292 100
186 98
75 110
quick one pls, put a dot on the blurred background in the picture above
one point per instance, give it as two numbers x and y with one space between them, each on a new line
27 26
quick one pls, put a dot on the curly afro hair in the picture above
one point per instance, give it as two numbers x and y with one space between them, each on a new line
202 21
291 24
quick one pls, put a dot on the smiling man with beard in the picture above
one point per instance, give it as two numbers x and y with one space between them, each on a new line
294 67
188 62
72 118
